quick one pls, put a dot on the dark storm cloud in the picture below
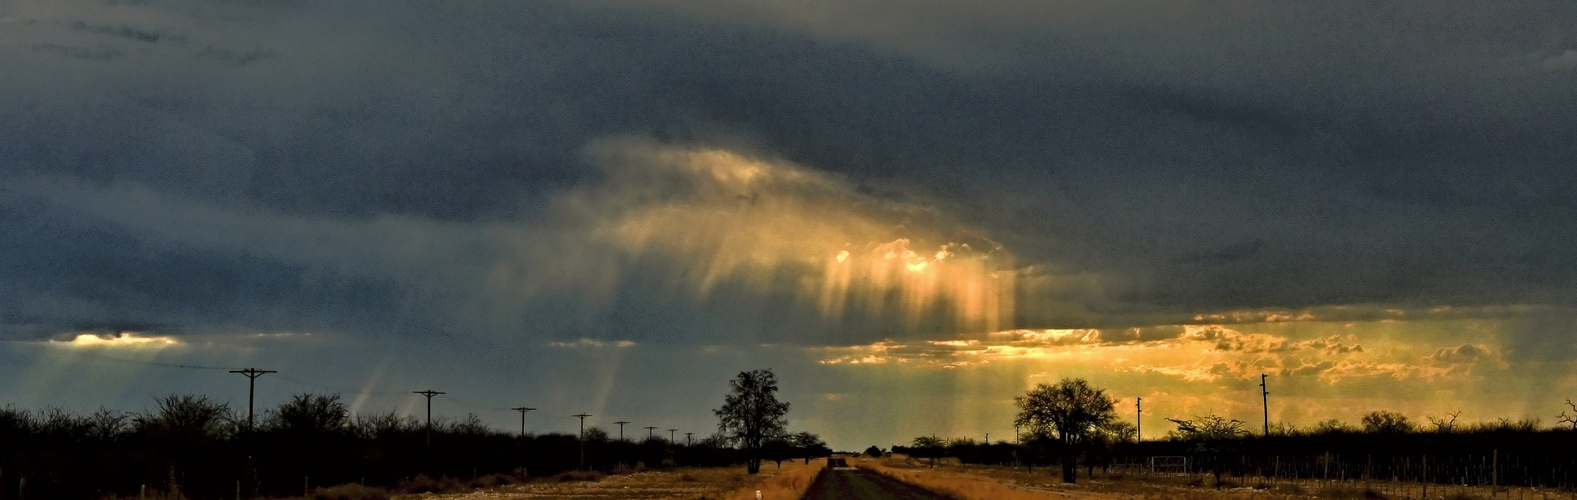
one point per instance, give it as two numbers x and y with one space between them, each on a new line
1141 158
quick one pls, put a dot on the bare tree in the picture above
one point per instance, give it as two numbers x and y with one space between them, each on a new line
1443 424
751 414
1569 418
310 414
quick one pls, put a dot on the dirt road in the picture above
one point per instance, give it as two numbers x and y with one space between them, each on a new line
849 484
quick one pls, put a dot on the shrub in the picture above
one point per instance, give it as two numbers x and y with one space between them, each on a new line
350 491
1386 422
579 476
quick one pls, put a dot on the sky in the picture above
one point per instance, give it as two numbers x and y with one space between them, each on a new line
910 213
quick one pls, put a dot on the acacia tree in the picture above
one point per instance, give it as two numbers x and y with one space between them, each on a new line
751 414
809 445
1214 436
1073 410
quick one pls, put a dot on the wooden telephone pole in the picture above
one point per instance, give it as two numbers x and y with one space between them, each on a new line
1138 420
522 410
430 393
582 417
251 390
1265 400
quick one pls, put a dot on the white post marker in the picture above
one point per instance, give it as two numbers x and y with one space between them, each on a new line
758 494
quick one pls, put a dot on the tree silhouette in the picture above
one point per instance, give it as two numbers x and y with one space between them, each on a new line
929 447
310 414
1213 436
1073 410
1331 426
1569 418
1386 422
752 414
810 445
1443 424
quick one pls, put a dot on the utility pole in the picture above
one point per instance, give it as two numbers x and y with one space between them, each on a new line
621 429
251 390
1015 434
671 435
1138 420
522 410
687 439
582 417
1264 394
649 433
430 393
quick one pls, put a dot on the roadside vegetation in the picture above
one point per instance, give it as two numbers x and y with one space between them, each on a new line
191 446
1070 426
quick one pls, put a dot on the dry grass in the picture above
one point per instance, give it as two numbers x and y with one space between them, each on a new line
681 483
991 482
790 483
968 485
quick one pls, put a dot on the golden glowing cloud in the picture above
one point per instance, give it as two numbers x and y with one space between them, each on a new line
126 339
1318 369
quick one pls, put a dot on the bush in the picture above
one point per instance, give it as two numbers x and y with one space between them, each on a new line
579 476
422 483
351 491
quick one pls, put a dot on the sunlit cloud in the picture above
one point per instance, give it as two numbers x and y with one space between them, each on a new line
1189 353
732 216
119 340
592 343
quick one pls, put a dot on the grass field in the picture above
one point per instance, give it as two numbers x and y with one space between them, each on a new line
966 482
730 483
972 482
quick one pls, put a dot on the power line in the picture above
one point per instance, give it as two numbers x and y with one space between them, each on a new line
338 390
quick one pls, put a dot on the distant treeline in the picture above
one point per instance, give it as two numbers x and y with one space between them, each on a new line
201 448
1503 453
